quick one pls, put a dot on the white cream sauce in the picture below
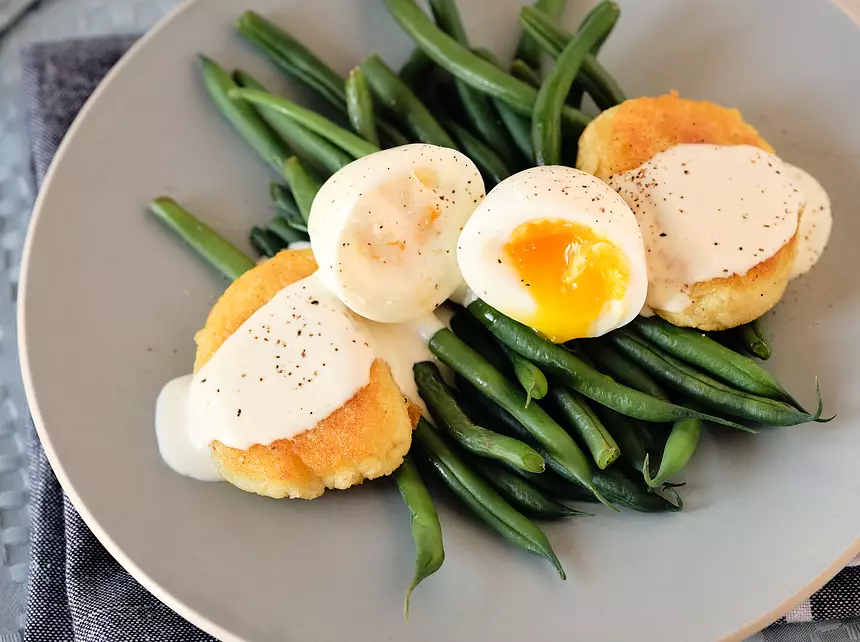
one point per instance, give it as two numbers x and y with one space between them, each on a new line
706 212
172 431
402 345
815 223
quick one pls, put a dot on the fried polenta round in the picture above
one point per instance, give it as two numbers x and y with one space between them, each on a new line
626 136
365 438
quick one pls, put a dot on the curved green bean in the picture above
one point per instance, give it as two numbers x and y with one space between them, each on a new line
616 16
531 378
754 339
586 425
524 72
562 364
468 67
552 37
700 350
473 438
478 371
622 369
343 138
244 118
630 436
292 57
214 248
682 442
546 114
481 498
266 244
622 490
399 99
288 234
706 390
304 185
527 49
359 105
522 495
306 143
491 166
424 523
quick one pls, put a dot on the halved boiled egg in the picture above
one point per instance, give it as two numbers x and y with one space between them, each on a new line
384 229
557 249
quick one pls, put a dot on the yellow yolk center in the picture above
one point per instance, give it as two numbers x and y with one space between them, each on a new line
570 272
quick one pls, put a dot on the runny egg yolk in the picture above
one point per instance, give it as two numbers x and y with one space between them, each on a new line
571 273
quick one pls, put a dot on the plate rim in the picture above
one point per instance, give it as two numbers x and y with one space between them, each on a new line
193 616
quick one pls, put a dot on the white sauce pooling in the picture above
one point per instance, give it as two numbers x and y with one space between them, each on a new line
815 223
707 212
172 431
402 345
281 371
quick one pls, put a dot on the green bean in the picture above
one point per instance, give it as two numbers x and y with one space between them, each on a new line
754 339
304 184
210 245
528 374
546 114
599 83
396 96
480 113
528 50
287 207
518 126
475 439
343 138
295 60
620 489
244 118
622 369
586 425
706 390
483 410
682 442
475 336
571 370
359 104
629 435
416 68
492 167
468 67
524 72
292 57
699 350
478 371
520 494
280 228
308 145
481 498
599 45
424 522
266 244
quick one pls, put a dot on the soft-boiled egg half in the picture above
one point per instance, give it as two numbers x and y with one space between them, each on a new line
558 250
384 229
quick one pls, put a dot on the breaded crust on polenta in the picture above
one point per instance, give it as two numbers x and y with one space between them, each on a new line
627 135
365 438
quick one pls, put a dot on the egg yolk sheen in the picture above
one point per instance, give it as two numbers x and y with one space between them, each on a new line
570 272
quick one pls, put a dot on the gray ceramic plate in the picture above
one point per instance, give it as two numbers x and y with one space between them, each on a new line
110 302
